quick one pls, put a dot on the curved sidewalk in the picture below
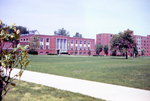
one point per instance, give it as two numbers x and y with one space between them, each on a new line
104 91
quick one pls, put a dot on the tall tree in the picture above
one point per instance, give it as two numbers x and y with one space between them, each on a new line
10 59
143 51
62 32
78 35
106 49
23 30
98 48
122 41
34 43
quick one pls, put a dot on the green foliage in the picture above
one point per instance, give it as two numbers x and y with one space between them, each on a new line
75 52
51 54
78 35
10 59
135 51
34 43
114 53
143 51
106 49
23 30
122 42
89 52
64 53
98 48
62 32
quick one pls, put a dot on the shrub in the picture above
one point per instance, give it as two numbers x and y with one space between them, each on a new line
64 53
95 55
51 54
33 52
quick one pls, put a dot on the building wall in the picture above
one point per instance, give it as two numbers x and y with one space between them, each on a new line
53 41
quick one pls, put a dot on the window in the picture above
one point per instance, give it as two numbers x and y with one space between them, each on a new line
71 41
21 40
99 35
99 39
47 46
110 35
88 48
84 48
41 46
88 42
76 48
76 41
47 39
80 47
84 53
80 53
41 52
26 39
71 47
41 39
80 42
71 53
47 52
84 42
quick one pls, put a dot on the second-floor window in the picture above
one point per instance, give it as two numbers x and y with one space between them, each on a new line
71 41
41 39
47 39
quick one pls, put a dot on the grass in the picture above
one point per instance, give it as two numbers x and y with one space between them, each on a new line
34 92
132 72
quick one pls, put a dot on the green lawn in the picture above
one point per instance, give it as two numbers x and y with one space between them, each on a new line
132 72
34 92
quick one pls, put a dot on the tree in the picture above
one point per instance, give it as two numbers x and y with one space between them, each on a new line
98 48
75 52
62 32
122 42
34 43
143 51
89 52
23 30
106 49
134 51
77 35
10 59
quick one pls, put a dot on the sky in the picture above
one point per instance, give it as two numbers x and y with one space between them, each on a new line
88 17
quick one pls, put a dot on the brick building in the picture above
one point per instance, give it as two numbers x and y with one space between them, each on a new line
57 44
142 42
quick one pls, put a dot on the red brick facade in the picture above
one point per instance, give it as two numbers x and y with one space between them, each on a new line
57 44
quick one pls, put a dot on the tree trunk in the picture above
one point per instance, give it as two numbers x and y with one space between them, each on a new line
126 55
1 87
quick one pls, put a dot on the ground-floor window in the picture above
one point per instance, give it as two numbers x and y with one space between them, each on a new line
80 53
84 53
41 52
47 52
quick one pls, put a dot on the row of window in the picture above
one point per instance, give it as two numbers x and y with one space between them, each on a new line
76 48
142 41
81 53
24 40
142 38
41 39
41 47
100 35
76 41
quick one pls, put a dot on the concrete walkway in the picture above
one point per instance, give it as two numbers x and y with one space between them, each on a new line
108 92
